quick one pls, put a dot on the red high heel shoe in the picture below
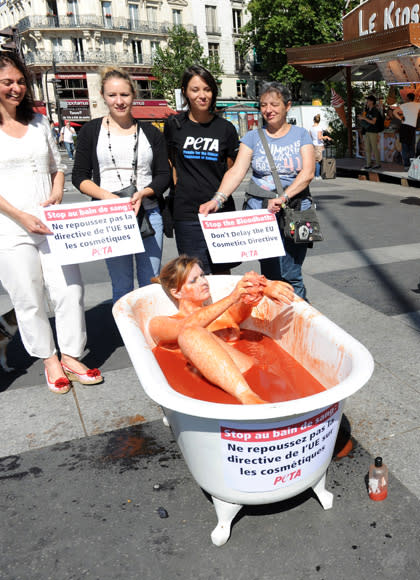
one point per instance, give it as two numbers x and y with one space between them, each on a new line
90 377
61 386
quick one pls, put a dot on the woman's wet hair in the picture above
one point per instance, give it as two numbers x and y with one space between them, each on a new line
206 76
25 111
174 274
275 87
113 72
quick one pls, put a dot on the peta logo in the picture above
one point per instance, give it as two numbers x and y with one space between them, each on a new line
201 148
201 144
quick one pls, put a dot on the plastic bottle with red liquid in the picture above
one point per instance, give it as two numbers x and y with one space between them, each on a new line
378 480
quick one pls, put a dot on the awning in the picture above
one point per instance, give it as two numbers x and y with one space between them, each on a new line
395 52
41 109
145 112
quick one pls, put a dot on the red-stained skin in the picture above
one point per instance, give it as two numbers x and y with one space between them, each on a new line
201 331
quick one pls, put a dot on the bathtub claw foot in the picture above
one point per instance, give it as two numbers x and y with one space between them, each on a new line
325 497
225 513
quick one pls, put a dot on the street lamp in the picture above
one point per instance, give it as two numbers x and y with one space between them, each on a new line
54 82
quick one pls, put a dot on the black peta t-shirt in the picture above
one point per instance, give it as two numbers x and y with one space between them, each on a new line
200 152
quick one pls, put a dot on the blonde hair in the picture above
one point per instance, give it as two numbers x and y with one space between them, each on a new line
113 72
174 274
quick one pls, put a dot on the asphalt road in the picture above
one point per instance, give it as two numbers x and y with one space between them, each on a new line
82 477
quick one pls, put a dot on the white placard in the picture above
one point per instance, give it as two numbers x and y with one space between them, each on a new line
84 232
241 236
267 456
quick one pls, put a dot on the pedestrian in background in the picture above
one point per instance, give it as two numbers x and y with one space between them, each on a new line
408 114
318 139
32 175
105 163
67 135
201 147
372 124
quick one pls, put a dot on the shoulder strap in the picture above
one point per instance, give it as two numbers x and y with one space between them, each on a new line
133 179
277 182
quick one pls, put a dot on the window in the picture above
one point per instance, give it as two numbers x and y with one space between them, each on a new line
73 12
177 17
241 89
144 89
152 18
78 49
133 12
237 20
213 50
239 59
211 21
154 45
107 14
137 51
151 14
72 89
109 45
57 46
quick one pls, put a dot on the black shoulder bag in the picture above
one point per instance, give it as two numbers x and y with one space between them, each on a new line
301 226
145 227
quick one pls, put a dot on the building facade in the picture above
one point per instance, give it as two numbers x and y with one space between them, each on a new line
66 42
218 25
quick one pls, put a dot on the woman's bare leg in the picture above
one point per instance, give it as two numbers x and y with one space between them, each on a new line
243 361
214 362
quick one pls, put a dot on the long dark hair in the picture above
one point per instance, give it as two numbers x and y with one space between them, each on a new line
203 73
25 111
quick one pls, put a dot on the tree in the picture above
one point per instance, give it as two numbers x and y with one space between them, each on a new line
279 24
182 50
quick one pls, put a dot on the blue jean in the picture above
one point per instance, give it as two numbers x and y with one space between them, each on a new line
287 268
317 169
121 268
70 149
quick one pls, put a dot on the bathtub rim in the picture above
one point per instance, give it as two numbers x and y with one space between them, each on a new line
157 388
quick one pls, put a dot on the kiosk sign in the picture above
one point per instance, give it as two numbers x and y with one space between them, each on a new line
378 16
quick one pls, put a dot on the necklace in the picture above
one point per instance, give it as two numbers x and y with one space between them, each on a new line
134 162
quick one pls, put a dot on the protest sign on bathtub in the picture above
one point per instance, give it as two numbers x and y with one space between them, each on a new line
267 456
84 232
240 236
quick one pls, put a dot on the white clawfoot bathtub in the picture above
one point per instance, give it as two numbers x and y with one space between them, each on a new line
253 454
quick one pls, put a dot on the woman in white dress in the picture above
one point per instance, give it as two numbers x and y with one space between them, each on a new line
32 175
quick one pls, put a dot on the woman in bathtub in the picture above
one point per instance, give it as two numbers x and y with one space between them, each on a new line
202 331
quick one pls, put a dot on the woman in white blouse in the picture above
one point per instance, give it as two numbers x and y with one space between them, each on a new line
105 163
31 175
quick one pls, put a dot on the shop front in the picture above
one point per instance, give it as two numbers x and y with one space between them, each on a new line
381 41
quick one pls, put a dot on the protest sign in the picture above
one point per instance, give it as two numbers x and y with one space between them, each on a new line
241 236
84 232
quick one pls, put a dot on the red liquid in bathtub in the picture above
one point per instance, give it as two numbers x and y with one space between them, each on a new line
275 377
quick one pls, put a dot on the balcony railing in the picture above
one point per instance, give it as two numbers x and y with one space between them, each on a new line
87 57
214 30
94 21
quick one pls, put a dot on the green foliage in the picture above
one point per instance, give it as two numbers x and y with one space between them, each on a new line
182 50
279 24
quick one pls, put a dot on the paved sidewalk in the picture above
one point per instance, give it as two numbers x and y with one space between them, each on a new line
78 473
